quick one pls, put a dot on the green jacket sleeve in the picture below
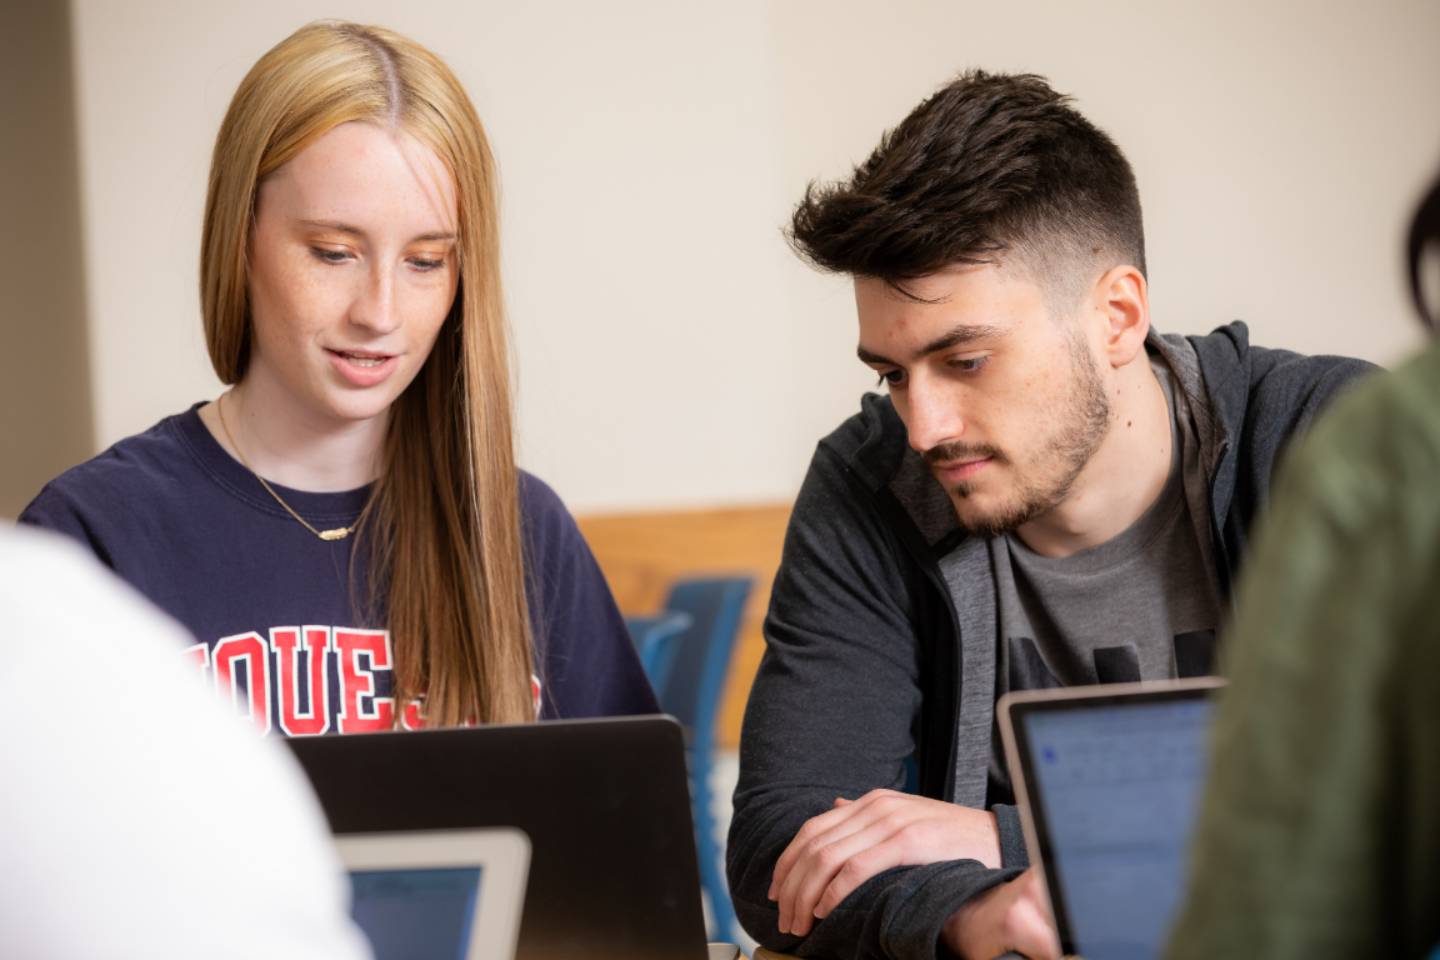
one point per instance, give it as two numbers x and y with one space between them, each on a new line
1318 830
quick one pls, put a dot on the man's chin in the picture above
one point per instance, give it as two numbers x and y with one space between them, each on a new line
987 519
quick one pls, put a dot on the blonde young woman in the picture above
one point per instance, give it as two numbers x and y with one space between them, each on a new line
344 529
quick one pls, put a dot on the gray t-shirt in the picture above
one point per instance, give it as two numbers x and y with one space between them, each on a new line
1144 605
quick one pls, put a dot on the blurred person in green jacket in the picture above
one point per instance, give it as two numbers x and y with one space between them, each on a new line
1319 834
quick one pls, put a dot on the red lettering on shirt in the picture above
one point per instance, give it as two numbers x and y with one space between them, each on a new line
287 644
198 657
357 681
304 661
250 649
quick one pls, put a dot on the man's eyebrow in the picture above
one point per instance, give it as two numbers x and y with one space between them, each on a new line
874 359
357 232
956 336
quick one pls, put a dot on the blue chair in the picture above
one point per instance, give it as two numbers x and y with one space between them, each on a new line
690 691
655 640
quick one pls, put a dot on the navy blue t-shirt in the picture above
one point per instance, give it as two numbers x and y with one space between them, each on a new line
275 608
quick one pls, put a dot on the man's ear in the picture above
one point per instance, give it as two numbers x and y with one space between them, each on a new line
1121 298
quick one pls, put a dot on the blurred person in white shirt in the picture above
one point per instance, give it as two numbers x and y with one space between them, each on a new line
138 819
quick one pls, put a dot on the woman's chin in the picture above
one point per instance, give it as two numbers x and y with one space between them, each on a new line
358 409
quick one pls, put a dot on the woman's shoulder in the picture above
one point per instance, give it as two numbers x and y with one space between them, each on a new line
536 496
555 549
543 515
121 480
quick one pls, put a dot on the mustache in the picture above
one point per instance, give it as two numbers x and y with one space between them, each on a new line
959 450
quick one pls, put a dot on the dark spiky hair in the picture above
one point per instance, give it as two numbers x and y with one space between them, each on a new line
990 163
1425 238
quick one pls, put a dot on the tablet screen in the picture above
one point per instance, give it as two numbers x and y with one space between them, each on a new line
1119 788
416 912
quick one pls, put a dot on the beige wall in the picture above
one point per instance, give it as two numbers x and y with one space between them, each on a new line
45 404
670 350
1280 146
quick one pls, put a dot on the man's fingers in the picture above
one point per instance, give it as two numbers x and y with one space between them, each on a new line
822 831
1031 932
893 842
857 869
1013 916
1028 926
814 871
853 856
792 852
807 865
815 828
825 854
1037 900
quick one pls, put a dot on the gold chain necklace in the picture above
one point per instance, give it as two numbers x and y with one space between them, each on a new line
339 533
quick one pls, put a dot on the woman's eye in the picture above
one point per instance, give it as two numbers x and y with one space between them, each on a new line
424 263
329 256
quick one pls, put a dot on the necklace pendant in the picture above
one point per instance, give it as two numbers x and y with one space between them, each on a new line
339 533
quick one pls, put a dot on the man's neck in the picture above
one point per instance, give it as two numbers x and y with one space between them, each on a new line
1125 476
302 452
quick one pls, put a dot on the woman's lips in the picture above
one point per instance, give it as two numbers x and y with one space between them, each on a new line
362 368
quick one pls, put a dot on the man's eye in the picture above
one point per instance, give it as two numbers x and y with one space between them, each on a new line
968 364
895 378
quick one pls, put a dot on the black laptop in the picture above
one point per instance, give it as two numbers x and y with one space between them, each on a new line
605 803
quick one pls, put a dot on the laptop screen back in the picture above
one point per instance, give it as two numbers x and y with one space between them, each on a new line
604 799
416 912
1116 788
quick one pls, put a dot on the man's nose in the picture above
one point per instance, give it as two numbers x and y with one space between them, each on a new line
933 416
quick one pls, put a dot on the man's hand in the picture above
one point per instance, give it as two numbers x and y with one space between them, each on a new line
838 850
1012 916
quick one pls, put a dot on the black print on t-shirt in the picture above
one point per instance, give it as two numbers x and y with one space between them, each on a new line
1117 664
1027 667
1195 653
1027 670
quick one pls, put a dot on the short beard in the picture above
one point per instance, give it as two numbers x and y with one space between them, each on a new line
1070 448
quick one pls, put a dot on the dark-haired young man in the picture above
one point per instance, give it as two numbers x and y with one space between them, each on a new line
1051 494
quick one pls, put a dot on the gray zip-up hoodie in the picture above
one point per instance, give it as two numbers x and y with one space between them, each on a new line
872 669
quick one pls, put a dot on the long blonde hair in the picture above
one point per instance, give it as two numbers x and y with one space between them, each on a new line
443 519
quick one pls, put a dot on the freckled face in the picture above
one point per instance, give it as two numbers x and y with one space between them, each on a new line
1006 403
352 272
